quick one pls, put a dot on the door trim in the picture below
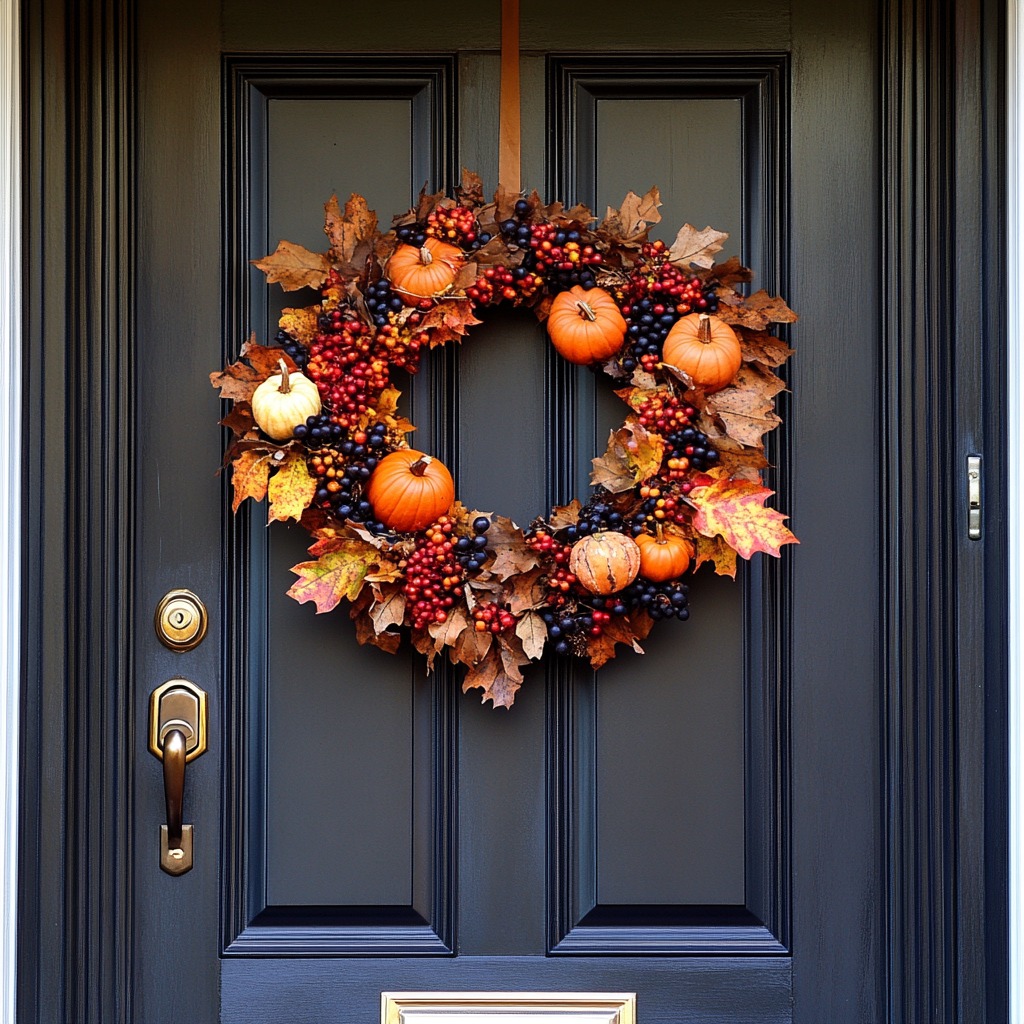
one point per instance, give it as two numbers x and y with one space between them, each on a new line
10 491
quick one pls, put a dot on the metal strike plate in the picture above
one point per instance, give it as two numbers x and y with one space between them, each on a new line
179 704
180 620
176 862
974 497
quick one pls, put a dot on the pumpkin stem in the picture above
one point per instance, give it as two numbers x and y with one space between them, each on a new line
659 532
426 256
419 467
586 313
704 331
284 388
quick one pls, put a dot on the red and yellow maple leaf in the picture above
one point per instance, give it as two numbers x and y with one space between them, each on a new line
734 510
338 574
714 551
449 320
294 266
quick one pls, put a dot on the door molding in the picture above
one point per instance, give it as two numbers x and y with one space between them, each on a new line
10 490
945 750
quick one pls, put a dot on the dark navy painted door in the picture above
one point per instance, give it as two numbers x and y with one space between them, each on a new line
692 825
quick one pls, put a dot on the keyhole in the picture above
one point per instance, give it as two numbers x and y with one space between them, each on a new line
179 618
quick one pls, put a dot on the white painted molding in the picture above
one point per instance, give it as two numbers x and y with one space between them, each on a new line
1015 492
10 491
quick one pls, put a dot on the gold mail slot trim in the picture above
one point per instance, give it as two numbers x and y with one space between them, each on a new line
508 1007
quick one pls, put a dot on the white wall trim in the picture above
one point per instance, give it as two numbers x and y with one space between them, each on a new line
10 491
1015 492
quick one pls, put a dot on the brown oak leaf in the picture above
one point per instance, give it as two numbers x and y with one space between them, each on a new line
632 219
294 266
471 189
526 591
351 233
449 320
746 408
762 347
565 515
715 551
533 632
446 634
249 477
388 608
695 247
471 647
729 273
291 488
734 510
491 676
239 420
338 574
512 556
255 364
619 630
755 312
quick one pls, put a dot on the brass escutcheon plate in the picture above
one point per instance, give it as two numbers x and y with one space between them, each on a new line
179 704
180 620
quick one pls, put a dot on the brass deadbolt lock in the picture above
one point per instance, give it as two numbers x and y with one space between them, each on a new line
181 620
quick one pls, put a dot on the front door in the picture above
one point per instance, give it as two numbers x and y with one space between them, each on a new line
705 825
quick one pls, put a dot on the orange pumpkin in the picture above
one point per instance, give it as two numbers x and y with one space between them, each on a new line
423 272
706 348
663 557
605 562
585 325
409 490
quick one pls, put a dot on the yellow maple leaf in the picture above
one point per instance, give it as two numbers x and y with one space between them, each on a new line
338 574
249 473
291 489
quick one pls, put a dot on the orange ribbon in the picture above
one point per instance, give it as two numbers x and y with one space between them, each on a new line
509 141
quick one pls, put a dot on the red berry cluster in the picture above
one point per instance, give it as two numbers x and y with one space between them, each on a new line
433 576
492 618
554 250
663 413
345 367
401 346
560 582
670 288
498 282
455 225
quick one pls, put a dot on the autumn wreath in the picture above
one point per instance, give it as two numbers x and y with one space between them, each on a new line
316 426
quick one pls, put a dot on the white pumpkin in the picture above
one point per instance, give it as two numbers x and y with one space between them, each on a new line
283 401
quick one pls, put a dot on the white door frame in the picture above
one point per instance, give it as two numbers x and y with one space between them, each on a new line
10 492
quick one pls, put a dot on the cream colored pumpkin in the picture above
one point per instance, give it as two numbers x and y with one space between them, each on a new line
284 401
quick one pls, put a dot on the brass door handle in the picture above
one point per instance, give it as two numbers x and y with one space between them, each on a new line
177 735
174 785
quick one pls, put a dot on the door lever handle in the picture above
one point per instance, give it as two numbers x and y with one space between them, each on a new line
177 735
174 785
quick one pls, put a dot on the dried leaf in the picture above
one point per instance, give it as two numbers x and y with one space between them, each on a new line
526 591
352 234
632 219
471 646
756 312
696 248
255 364
716 552
762 347
388 608
449 320
512 556
471 189
565 515
746 407
338 574
300 324
491 676
533 632
291 488
634 454
447 633
293 267
734 510
601 649
249 476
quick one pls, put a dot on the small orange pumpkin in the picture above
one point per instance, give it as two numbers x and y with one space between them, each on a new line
706 348
409 490
423 272
663 557
605 562
585 325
